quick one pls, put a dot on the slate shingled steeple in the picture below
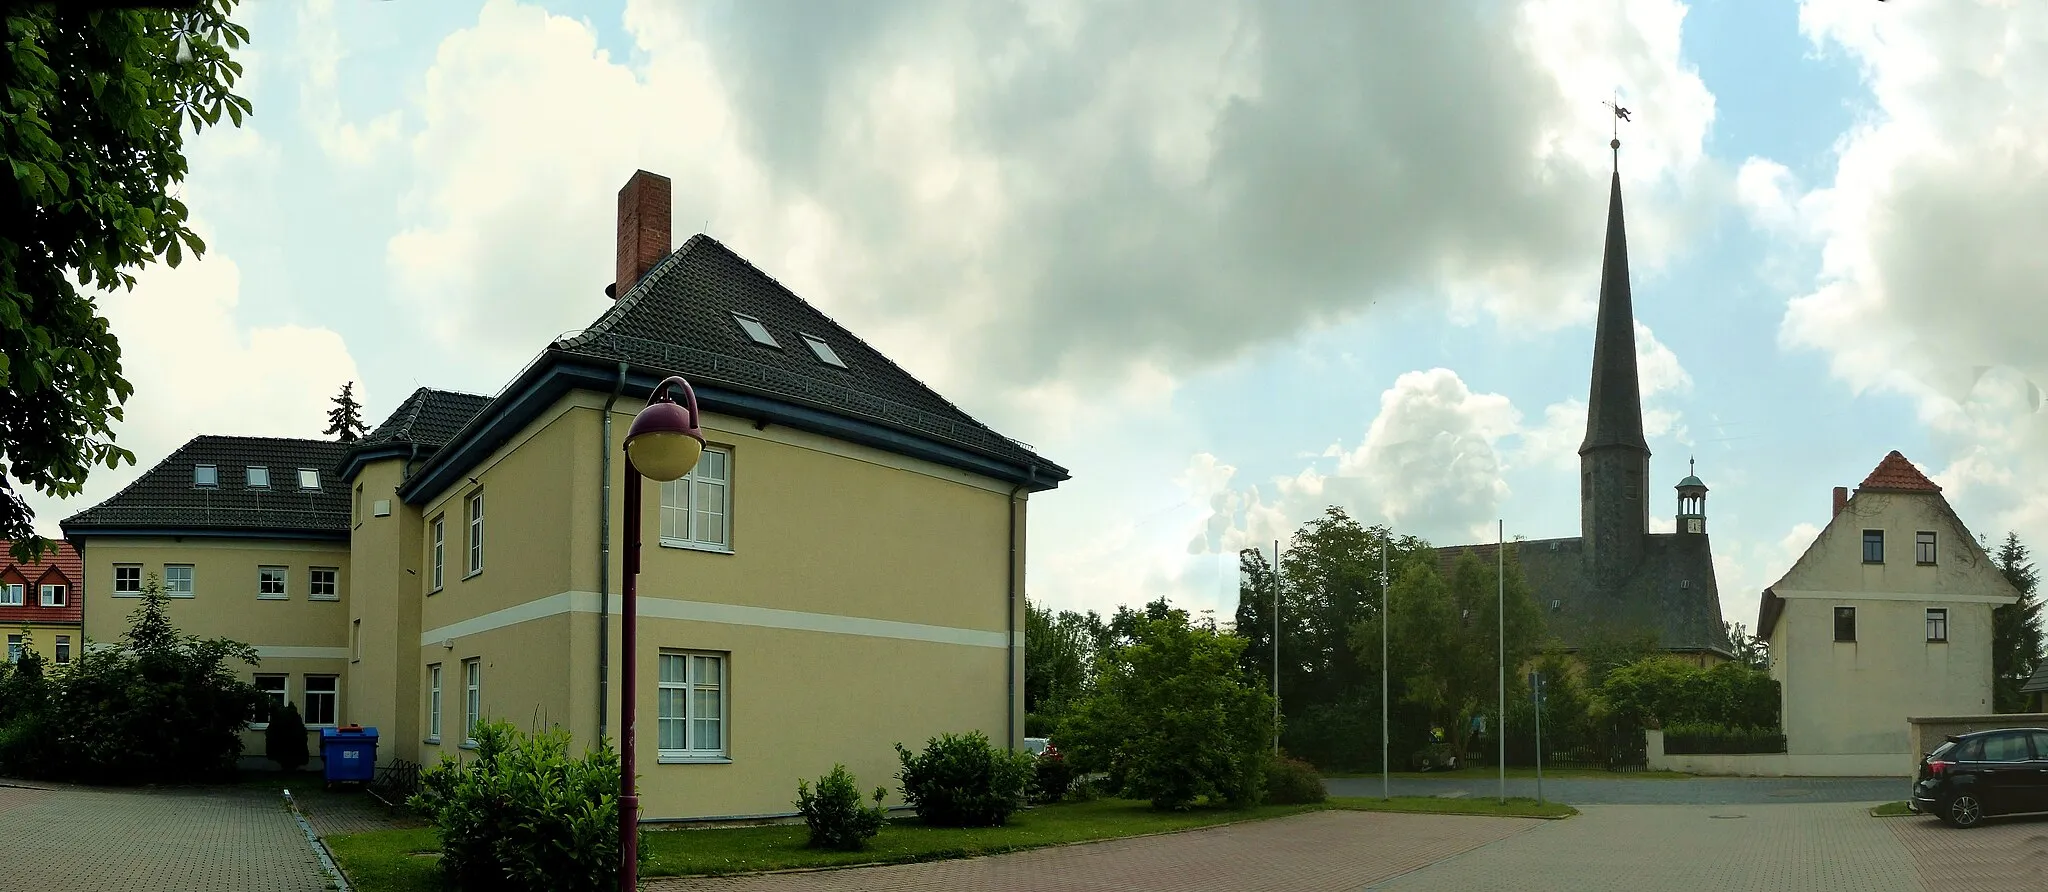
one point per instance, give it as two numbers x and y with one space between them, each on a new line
1614 459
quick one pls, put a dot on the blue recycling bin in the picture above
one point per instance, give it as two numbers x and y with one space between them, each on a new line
350 753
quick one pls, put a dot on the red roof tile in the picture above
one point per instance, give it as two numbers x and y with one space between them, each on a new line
64 567
1896 474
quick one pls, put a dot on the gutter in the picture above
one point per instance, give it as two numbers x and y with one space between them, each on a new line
1010 614
604 559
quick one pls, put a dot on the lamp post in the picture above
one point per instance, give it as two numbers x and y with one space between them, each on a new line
664 443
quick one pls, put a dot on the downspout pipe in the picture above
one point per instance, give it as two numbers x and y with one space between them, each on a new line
604 560
1010 643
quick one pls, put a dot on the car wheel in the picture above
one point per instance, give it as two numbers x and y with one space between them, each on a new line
1965 811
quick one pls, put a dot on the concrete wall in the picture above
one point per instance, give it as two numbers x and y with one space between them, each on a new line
1777 764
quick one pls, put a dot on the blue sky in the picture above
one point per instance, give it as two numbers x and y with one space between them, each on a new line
1228 268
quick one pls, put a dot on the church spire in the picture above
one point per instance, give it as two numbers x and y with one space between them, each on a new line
1614 407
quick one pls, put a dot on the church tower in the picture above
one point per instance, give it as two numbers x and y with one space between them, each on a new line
1614 459
1692 503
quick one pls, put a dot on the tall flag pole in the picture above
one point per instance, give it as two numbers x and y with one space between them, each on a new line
1385 771
1500 554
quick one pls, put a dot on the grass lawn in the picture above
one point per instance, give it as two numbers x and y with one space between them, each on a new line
1522 774
392 860
1891 810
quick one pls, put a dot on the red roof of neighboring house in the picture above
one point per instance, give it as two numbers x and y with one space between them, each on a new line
64 567
1896 474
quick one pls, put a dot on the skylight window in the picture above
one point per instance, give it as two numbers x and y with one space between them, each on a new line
309 478
259 477
205 475
824 351
756 330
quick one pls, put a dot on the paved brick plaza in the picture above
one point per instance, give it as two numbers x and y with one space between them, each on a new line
69 839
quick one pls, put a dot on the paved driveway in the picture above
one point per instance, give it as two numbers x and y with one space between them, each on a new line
1621 791
68 839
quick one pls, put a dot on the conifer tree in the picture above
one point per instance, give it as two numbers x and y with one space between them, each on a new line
345 420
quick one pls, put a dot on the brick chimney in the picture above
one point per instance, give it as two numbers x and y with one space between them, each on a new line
643 229
1841 499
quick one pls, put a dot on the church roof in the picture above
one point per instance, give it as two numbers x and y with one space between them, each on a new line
1614 407
1672 592
1692 481
1896 474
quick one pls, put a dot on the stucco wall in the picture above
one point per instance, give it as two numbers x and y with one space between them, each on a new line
224 601
385 599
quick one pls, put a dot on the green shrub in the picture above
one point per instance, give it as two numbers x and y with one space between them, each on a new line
1052 776
1661 692
1722 740
835 814
284 742
1294 782
524 816
961 780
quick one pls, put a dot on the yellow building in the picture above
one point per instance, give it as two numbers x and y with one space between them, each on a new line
842 571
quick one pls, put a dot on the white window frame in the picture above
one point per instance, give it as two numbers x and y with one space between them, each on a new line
472 698
306 474
668 691
13 594
284 694
334 697
682 518
250 473
191 581
62 590
120 592
433 702
440 535
333 584
63 650
474 505
282 581
15 645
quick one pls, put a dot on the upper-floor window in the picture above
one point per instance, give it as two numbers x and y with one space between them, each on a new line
259 477
14 648
11 594
356 508
1923 547
54 595
323 584
1845 624
270 582
309 478
696 511
476 532
440 550
824 351
1937 624
1873 546
127 579
205 475
63 649
178 580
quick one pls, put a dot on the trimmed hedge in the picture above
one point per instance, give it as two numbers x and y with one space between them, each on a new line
1722 740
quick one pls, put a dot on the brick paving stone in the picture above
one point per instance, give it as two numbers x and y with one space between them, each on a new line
1331 850
339 812
1622 790
1648 848
2000 855
79 839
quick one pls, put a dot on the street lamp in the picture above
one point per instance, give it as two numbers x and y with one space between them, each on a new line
664 443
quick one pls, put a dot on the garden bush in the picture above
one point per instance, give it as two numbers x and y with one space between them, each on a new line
835 814
1294 782
284 741
1052 776
1722 740
525 816
961 780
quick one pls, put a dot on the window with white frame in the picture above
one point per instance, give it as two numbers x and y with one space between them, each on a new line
14 648
440 549
472 698
11 594
63 649
276 691
323 584
692 710
259 477
178 580
434 702
54 595
309 478
696 511
322 694
127 579
476 532
270 583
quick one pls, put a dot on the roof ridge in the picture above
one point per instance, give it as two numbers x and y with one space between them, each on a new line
1897 473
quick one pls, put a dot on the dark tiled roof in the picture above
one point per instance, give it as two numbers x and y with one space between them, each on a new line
1672 591
1614 404
2039 682
680 318
66 563
429 419
164 497
1896 474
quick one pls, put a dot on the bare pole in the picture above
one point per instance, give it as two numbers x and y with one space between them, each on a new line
1276 646
1500 614
1385 771
1536 694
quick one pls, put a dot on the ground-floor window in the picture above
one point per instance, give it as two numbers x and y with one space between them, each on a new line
276 690
692 716
473 697
322 694
434 703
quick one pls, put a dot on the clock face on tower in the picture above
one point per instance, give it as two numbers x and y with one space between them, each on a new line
1694 524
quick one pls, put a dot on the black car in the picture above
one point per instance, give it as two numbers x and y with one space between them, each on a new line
1974 776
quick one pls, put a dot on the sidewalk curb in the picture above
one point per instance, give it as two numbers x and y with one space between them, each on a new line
319 846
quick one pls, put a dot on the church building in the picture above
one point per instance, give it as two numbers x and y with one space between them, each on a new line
1616 577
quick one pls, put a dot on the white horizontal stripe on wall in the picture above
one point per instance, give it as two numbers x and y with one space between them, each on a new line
1796 594
289 652
724 614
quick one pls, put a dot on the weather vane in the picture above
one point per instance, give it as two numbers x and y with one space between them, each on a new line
1620 114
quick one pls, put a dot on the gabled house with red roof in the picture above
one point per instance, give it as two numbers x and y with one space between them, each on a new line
1887 615
42 603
